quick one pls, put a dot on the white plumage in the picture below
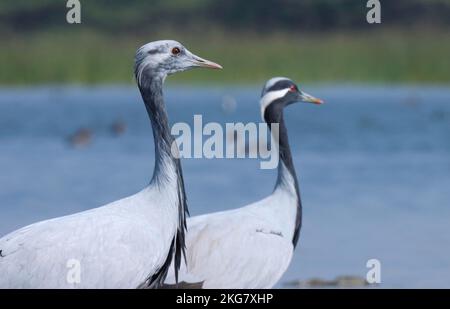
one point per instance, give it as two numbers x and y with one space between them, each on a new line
118 245
250 247
128 243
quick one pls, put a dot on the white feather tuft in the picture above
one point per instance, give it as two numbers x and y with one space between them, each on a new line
269 97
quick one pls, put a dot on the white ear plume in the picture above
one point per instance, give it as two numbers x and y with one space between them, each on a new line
269 97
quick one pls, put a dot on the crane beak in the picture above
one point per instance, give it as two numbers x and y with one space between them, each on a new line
304 97
203 63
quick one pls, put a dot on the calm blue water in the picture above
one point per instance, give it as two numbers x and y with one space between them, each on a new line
373 163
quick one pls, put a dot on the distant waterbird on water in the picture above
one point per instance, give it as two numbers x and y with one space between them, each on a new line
118 128
250 247
81 138
129 243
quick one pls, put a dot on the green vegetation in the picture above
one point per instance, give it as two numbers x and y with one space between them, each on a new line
311 40
364 57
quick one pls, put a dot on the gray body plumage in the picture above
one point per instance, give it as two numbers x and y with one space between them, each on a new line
252 246
125 244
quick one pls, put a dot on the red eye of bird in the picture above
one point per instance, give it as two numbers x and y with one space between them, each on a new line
176 51
293 88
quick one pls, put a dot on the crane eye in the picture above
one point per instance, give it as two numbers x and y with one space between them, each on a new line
176 51
293 88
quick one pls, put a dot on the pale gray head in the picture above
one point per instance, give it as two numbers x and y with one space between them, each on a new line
279 92
162 58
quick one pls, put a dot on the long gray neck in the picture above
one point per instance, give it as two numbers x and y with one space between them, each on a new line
287 178
165 163
167 170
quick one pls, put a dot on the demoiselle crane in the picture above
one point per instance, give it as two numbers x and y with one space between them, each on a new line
250 247
129 243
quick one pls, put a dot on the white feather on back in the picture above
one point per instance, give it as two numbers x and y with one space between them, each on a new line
249 247
118 245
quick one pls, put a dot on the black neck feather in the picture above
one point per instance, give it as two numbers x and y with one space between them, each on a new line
165 164
274 114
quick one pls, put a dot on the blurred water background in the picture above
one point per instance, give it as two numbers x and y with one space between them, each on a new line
373 163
